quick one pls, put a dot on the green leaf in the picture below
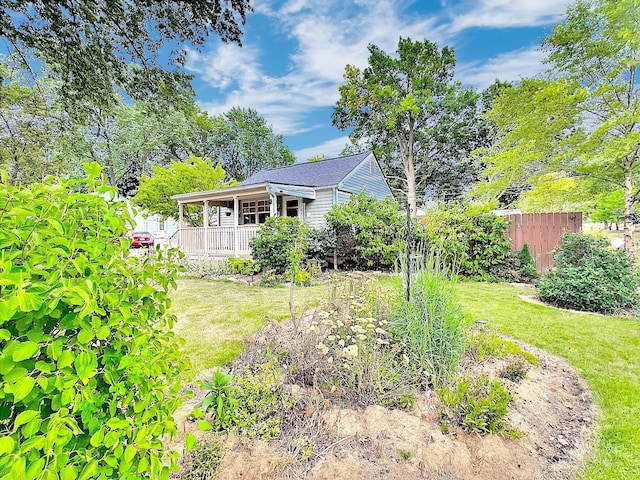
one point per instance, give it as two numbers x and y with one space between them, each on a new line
89 470
191 442
129 453
24 417
103 332
205 426
28 301
85 365
25 350
96 438
66 358
5 334
85 336
6 445
70 472
22 388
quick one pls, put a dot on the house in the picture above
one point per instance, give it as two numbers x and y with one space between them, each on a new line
304 190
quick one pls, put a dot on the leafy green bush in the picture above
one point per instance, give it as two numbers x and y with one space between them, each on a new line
473 243
90 372
277 237
590 276
241 266
478 404
367 232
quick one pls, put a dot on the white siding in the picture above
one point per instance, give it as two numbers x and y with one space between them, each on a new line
368 178
315 210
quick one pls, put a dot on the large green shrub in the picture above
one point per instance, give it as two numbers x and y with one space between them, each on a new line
473 243
277 238
367 232
590 276
89 371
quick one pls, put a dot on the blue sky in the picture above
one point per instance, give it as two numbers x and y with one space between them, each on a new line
294 53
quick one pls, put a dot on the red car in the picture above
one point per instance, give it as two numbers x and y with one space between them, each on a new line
142 239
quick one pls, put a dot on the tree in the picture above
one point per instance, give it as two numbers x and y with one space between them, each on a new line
243 142
584 119
28 121
420 123
195 174
98 48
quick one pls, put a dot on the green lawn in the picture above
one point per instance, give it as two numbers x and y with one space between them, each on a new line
604 350
215 316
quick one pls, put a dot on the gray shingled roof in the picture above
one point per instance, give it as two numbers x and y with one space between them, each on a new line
324 173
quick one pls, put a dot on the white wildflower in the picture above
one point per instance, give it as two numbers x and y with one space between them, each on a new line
323 348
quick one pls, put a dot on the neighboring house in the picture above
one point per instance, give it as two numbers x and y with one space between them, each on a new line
304 190
161 229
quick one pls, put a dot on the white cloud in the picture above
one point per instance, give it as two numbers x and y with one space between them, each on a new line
330 148
507 13
510 66
329 34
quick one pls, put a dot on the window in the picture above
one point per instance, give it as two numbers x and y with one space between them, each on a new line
264 211
161 225
292 208
255 212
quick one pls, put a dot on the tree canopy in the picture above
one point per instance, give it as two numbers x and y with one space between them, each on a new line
195 174
421 124
96 49
583 119
242 141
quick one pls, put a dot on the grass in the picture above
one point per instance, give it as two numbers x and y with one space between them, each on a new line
604 350
214 317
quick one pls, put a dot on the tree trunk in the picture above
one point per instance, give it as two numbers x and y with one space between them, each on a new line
411 188
629 214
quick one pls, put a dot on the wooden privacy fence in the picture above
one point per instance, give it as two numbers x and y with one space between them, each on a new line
541 232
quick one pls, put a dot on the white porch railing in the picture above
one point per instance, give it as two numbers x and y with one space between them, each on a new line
218 241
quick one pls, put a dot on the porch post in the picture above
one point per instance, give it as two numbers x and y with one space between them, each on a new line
180 215
273 210
235 226
205 217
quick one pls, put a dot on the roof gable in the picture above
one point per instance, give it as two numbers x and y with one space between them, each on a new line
323 173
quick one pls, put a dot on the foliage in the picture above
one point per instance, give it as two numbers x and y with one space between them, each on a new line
90 372
241 266
609 207
584 121
27 125
202 268
473 243
242 141
203 462
115 45
481 346
430 324
247 403
516 369
478 404
220 400
277 238
195 174
420 123
367 232
590 276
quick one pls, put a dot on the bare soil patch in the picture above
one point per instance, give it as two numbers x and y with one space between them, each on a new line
553 409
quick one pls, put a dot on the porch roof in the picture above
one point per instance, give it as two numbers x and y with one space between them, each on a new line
221 196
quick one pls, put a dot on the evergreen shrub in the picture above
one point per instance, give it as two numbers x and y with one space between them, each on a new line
590 276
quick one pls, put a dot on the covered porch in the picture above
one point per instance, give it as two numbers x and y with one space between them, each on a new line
227 230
